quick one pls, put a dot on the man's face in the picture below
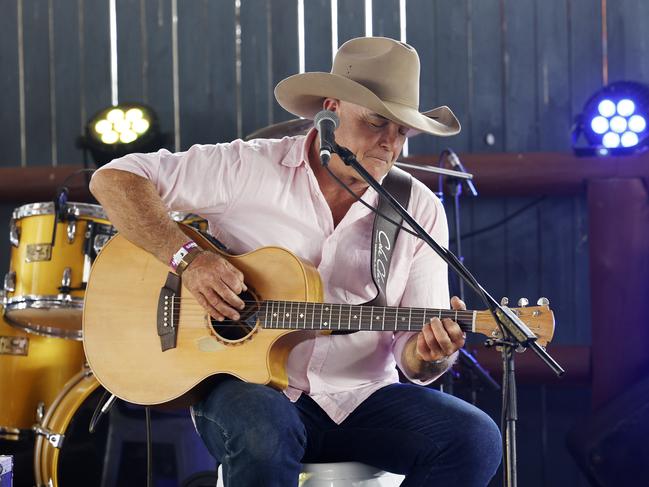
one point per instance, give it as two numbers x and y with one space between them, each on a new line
375 141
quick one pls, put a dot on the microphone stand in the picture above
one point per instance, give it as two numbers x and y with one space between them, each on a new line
515 335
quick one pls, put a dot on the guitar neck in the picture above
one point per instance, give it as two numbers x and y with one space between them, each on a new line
346 317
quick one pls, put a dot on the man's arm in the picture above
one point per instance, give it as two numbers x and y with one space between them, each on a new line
134 207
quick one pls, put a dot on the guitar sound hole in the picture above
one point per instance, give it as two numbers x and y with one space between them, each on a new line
232 330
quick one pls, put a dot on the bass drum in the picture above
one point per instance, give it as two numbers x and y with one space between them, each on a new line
33 369
66 454
70 455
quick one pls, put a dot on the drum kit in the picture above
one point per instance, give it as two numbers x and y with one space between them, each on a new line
48 392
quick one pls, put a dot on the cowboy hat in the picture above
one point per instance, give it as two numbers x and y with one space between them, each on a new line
377 73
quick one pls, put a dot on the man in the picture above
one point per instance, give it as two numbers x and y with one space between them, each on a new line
344 402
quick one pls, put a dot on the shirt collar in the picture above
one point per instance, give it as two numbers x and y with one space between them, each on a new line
299 153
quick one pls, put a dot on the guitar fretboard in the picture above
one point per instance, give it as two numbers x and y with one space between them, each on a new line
347 317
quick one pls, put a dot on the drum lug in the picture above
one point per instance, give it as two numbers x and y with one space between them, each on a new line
72 230
55 439
66 280
10 282
14 233
40 412
100 241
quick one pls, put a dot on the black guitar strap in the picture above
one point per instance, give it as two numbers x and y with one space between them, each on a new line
384 234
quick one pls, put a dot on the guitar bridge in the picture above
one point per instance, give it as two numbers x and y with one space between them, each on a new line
169 312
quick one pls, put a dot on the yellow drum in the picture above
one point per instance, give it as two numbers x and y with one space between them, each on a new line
64 447
33 369
46 281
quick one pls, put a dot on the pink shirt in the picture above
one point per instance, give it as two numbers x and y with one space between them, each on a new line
263 192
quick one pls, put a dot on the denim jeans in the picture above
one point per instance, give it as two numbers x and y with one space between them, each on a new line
432 438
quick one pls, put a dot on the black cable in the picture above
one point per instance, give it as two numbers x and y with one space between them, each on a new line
76 173
149 448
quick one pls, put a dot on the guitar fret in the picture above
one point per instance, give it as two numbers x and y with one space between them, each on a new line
409 318
383 320
360 318
349 317
340 314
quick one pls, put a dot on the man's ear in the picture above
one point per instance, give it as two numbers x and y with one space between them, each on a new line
331 104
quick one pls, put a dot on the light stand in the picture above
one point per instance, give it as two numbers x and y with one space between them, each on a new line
516 335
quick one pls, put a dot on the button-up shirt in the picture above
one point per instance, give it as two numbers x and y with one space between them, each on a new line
264 192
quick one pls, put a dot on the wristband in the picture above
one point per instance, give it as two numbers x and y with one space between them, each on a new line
181 253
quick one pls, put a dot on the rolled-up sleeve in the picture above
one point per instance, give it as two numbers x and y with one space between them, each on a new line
202 179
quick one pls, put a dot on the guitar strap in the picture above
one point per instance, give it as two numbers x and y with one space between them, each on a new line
384 234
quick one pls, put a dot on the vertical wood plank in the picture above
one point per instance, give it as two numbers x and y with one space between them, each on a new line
67 85
452 70
486 76
385 19
130 59
420 34
37 83
256 90
95 58
585 51
317 35
628 40
207 77
553 97
9 86
284 48
521 121
351 20
558 265
158 64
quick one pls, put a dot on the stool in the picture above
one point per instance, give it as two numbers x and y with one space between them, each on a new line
342 474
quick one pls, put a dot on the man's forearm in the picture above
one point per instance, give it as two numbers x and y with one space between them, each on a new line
134 207
420 369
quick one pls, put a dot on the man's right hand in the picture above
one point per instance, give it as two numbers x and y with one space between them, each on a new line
215 283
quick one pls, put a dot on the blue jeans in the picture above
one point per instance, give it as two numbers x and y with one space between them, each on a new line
432 438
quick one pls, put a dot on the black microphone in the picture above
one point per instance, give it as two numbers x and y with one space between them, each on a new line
455 162
326 122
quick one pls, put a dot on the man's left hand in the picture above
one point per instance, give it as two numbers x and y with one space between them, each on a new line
440 339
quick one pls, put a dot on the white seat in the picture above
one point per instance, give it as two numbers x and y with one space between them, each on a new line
342 474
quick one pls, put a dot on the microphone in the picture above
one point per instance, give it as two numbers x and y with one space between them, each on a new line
326 122
455 162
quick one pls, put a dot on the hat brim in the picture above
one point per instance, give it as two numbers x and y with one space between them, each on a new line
302 95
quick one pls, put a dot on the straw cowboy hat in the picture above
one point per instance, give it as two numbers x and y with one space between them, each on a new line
377 73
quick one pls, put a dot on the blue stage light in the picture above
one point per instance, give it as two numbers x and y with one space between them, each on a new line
614 120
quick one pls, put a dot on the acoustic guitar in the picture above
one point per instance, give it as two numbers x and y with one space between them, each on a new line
148 341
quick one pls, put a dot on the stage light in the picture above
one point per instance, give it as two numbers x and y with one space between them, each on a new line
116 131
614 121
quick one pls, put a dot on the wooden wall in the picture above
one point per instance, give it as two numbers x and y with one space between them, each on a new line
519 70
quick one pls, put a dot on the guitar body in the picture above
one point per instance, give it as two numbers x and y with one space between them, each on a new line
120 316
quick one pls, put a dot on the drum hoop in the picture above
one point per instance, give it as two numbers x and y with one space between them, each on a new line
47 208
21 303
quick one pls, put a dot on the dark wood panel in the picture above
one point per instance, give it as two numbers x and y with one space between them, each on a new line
130 55
158 63
317 35
284 48
485 76
628 40
452 68
582 270
420 34
351 20
37 82
9 86
557 265
95 57
67 83
256 90
553 96
585 30
207 77
385 19
521 120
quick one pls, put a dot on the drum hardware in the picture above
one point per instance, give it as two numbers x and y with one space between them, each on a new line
14 233
10 282
38 252
103 406
14 345
66 280
72 230
55 439
40 412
